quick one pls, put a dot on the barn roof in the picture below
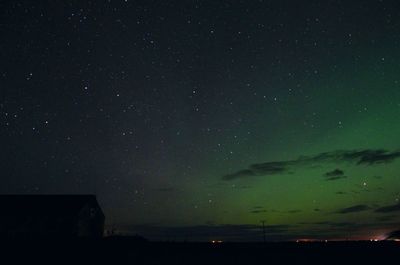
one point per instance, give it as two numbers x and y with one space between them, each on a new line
61 205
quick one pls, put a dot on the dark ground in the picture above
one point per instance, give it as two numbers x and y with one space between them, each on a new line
126 251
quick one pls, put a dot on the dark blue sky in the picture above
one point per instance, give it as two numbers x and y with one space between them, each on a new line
205 117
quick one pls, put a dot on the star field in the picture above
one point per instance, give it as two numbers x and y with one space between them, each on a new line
206 117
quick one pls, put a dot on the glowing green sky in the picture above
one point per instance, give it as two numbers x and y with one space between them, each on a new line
358 111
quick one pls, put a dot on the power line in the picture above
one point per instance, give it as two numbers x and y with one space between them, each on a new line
263 223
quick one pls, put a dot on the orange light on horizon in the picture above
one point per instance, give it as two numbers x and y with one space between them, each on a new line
306 240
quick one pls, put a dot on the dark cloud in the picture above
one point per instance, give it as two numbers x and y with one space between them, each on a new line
294 211
367 156
258 211
377 156
386 218
330 224
394 235
354 209
389 208
322 223
334 173
336 178
240 174
269 168
331 229
358 157
341 224
282 212
315 223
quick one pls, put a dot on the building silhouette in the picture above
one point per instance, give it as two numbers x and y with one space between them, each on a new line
55 216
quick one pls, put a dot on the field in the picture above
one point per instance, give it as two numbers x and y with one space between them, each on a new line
126 251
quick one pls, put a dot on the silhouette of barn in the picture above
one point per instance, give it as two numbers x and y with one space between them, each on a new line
56 216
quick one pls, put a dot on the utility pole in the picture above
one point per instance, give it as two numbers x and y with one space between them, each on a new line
263 229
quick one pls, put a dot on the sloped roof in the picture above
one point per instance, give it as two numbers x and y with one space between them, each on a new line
45 205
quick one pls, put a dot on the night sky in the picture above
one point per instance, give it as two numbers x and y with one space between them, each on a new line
197 120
